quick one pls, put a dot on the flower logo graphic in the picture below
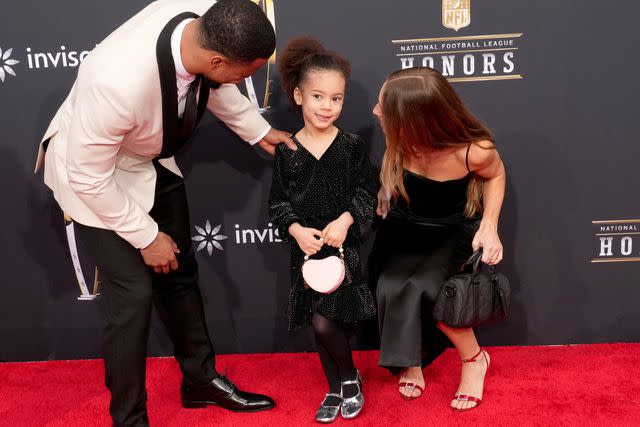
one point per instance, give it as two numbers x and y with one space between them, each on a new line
208 238
5 64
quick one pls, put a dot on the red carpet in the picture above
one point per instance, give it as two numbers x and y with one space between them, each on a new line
586 385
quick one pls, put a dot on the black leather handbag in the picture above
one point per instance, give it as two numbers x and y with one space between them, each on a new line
473 296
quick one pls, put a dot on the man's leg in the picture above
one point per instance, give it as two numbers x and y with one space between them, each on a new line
126 306
181 302
178 292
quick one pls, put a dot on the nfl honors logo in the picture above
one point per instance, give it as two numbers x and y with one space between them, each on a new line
456 14
467 58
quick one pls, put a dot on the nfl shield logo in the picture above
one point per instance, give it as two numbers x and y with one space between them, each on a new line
456 14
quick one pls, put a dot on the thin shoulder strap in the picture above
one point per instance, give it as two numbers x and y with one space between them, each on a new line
466 159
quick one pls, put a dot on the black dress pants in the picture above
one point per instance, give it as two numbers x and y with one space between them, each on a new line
128 286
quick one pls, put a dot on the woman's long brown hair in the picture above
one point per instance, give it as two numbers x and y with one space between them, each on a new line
421 113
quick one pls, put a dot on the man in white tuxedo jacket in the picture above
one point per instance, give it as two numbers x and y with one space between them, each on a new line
108 157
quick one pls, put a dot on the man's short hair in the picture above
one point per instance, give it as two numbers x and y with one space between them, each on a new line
238 29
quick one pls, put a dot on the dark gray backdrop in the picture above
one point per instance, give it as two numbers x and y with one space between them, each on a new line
567 132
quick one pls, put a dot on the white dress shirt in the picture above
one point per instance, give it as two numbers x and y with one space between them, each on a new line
184 78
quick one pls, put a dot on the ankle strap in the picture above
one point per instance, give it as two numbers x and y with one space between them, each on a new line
474 358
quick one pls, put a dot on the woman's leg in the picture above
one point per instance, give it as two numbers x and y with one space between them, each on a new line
399 299
412 375
473 373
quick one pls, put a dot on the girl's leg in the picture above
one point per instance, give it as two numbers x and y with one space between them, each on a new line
472 377
335 354
330 369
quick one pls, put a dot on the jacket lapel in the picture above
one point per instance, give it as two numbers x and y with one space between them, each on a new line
168 86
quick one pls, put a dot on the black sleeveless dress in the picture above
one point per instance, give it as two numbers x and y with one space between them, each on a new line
418 247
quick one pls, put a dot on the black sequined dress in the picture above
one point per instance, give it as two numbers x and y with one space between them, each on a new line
314 192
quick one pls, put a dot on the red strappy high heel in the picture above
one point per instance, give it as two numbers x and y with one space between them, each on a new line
410 386
466 397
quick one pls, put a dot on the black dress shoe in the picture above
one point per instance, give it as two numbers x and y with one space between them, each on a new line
222 392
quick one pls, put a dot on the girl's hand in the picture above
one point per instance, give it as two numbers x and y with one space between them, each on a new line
384 202
335 232
487 239
307 238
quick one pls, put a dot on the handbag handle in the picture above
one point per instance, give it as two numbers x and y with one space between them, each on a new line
306 257
475 261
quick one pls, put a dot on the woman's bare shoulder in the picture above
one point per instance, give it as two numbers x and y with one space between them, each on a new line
484 155
480 154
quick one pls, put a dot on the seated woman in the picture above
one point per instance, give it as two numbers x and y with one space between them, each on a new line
442 189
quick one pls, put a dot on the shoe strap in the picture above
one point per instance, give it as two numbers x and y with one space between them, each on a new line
326 396
410 385
474 358
355 382
467 398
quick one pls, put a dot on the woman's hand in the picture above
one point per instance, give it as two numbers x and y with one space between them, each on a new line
335 232
384 202
487 239
307 238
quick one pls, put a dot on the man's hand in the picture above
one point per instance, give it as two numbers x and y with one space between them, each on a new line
161 254
307 238
275 137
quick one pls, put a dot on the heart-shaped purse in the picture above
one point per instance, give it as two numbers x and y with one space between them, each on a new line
324 275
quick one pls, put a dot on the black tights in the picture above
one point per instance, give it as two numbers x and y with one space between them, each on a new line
332 340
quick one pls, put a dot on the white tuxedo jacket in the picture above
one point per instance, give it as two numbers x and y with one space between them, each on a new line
105 135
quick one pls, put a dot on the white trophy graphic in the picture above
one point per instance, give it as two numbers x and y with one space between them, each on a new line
85 294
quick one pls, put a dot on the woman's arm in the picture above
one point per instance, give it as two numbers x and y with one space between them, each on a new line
485 161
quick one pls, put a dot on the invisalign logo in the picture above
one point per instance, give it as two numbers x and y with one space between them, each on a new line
5 64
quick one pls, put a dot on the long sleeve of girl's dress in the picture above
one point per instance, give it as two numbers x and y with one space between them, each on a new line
363 203
280 209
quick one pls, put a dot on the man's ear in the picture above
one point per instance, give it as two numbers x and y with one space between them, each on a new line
297 96
216 61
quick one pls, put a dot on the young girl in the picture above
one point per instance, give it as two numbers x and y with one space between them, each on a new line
323 198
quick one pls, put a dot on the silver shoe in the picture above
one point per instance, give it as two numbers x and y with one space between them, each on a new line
351 406
328 413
